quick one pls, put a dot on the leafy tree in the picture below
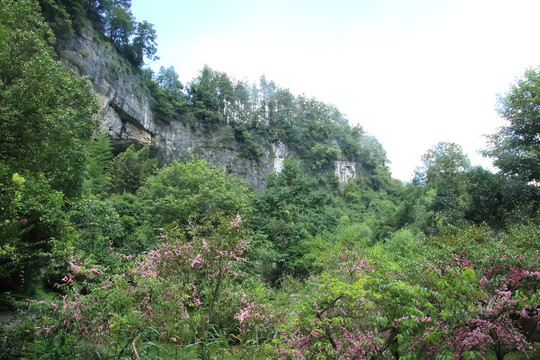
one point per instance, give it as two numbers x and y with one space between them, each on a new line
45 110
143 44
444 168
118 20
208 97
291 211
98 177
193 190
167 78
45 121
515 148
444 161
98 227
498 200
130 168
169 103
58 17
31 215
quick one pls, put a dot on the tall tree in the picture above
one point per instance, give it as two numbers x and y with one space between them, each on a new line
443 161
143 44
45 110
45 122
98 177
193 190
443 174
515 148
290 212
130 168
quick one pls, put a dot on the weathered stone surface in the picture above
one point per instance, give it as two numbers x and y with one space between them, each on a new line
125 113
280 153
345 171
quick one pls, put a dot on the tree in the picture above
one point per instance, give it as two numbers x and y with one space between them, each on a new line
167 78
118 20
443 170
98 177
193 190
144 44
515 148
45 122
498 200
442 162
130 168
45 110
208 97
291 212
169 103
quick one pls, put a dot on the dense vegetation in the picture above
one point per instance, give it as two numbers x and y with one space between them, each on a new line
109 256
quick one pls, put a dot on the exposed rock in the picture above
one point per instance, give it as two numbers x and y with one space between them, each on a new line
125 113
124 107
280 153
345 171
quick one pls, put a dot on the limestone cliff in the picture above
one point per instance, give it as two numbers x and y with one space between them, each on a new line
125 113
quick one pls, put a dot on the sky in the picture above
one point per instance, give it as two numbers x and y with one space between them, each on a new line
412 73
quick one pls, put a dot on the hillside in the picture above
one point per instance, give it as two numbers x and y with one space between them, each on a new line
141 218
248 128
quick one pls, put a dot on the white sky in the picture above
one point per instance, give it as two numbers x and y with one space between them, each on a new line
410 72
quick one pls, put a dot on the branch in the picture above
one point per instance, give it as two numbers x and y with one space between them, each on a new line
326 328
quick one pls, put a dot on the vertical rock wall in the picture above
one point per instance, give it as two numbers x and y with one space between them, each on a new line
125 113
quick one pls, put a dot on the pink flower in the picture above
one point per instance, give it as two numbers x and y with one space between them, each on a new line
237 221
96 271
197 260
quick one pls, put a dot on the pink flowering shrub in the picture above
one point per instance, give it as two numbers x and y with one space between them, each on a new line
473 317
190 277
332 320
81 315
185 290
481 301
490 304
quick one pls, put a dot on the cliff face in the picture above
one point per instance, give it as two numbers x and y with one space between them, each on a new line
124 107
125 113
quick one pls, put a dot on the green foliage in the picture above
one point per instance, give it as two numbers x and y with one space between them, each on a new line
499 200
28 221
45 120
515 148
443 162
143 44
169 103
136 41
98 177
248 147
290 212
98 227
45 110
137 235
130 169
211 93
193 190
445 267
439 193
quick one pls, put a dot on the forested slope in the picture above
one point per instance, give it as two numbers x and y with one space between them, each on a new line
122 237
